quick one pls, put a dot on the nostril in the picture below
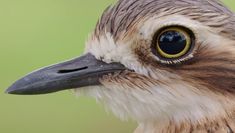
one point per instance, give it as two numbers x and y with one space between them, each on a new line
71 70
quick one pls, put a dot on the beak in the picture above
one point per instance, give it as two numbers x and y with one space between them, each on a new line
80 72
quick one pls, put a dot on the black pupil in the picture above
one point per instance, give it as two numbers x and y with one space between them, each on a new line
172 42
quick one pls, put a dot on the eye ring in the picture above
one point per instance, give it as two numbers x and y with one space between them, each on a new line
173 42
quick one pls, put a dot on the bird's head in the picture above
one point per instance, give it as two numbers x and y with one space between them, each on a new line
152 60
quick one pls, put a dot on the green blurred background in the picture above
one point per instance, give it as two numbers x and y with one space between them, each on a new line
36 33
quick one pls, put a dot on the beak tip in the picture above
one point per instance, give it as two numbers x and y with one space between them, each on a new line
10 90
7 92
15 90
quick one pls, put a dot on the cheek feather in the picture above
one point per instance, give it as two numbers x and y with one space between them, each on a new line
130 95
129 80
213 68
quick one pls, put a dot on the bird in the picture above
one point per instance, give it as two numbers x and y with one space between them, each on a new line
167 64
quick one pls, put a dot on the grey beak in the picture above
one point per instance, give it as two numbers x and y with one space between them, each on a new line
83 71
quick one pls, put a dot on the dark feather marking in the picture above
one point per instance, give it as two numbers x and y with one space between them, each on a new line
122 16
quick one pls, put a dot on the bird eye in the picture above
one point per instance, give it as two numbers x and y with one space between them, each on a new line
173 42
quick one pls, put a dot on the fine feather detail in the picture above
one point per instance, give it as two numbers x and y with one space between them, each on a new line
195 94
126 13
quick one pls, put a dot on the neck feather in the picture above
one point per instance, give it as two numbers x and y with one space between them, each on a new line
218 125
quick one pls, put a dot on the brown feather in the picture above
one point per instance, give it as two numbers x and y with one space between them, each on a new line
126 13
211 70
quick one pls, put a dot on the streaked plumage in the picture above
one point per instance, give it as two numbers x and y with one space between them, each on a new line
192 94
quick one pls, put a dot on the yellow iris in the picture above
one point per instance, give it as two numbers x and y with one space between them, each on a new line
184 34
